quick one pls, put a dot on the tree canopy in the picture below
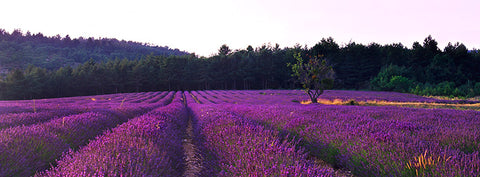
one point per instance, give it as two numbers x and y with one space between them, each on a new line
315 75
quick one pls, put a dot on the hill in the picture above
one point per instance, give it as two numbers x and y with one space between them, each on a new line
18 50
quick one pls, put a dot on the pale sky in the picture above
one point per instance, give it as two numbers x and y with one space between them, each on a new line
202 26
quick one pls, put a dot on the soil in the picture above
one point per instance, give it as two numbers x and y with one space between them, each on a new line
337 172
193 165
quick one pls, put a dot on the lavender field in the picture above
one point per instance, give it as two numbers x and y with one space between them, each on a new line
237 133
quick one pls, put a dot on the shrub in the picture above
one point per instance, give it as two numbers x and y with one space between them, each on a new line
352 102
400 83
445 88
476 88
384 78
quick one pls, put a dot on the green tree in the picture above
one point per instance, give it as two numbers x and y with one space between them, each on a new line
224 50
315 75
35 82
63 82
392 78
326 46
441 68
15 81
400 83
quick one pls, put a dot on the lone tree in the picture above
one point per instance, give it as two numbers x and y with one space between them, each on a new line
315 75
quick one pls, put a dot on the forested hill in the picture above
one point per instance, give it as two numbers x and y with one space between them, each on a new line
18 50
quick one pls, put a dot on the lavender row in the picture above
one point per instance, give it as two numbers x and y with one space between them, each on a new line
243 148
381 141
98 101
137 109
190 98
29 118
63 101
7 107
149 145
220 96
200 98
45 112
386 96
28 149
217 97
144 97
156 98
287 96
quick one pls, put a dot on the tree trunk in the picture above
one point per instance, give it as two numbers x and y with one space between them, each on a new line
313 98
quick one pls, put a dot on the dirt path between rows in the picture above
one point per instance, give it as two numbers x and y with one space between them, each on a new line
337 172
193 164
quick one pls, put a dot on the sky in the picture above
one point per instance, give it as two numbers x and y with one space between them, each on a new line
202 26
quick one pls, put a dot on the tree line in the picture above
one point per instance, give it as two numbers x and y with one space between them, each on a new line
423 69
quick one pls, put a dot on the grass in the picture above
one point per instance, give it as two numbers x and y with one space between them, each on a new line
477 98
475 107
